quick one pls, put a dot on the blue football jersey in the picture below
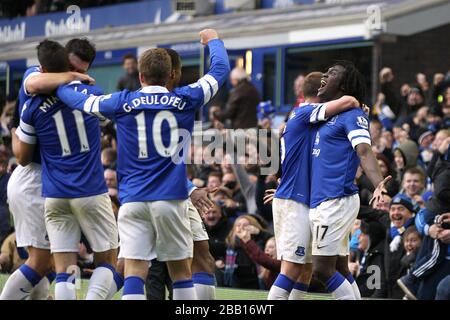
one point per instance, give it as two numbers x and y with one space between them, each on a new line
295 152
69 142
334 159
152 124
23 94
23 97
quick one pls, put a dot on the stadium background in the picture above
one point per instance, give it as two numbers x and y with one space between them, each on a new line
273 40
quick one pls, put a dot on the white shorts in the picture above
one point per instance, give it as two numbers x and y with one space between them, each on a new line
27 206
155 229
292 231
332 222
197 226
67 218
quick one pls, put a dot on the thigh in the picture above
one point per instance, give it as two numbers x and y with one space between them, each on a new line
97 221
332 222
27 207
172 228
62 226
137 236
292 231
197 226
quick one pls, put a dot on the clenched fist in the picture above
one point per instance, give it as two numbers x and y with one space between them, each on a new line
207 35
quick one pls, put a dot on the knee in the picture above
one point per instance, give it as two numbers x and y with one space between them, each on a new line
322 272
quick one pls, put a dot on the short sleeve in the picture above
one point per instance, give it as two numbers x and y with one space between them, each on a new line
26 131
311 113
357 127
31 72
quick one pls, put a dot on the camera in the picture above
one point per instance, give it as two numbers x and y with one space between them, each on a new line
443 225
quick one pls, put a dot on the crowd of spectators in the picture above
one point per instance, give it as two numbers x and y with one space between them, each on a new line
410 129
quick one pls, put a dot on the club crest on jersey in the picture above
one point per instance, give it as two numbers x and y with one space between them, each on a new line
362 122
300 251
332 121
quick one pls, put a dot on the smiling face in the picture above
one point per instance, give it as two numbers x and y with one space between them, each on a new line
399 215
330 88
413 184
412 242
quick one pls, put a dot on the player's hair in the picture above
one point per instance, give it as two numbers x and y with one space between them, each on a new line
416 170
174 58
311 84
52 56
82 48
231 237
353 83
155 66
129 56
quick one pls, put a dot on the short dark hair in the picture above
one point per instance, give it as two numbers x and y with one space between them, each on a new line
416 170
129 56
52 56
82 48
312 84
353 83
155 66
174 58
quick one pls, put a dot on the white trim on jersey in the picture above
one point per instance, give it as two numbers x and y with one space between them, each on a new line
322 111
27 128
360 140
154 89
88 104
92 106
213 83
357 133
206 90
318 114
24 137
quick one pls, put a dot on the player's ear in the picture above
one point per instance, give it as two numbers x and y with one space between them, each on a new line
141 79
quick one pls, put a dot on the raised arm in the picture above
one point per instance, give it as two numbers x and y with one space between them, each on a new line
46 83
220 66
99 106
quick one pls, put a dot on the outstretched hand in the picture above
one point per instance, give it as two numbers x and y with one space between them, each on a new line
201 201
268 195
380 191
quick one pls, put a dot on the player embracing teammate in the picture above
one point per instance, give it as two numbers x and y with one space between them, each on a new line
317 202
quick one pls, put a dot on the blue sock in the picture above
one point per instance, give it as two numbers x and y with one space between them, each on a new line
133 285
301 286
350 278
63 277
118 279
284 282
31 275
335 281
182 284
204 278
51 276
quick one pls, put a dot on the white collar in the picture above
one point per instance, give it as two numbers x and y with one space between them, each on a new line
154 89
